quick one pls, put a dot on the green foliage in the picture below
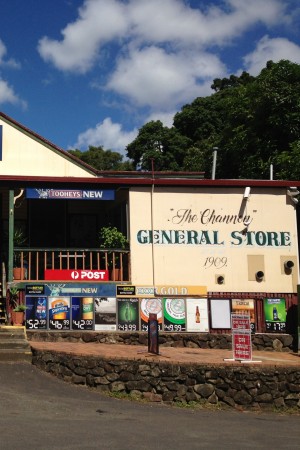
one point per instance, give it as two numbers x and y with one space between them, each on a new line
166 147
20 308
111 237
254 121
102 159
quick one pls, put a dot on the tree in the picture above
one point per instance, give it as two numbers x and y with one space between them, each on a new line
255 121
102 159
165 146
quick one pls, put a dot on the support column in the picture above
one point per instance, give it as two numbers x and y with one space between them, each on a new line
11 220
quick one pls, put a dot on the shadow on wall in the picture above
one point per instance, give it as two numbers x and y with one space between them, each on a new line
292 325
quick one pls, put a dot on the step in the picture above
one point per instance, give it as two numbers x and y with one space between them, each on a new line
14 343
11 356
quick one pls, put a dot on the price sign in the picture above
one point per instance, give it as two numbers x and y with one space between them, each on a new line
275 315
59 313
82 313
242 346
128 314
174 314
36 313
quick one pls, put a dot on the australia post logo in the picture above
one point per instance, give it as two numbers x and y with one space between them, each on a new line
76 275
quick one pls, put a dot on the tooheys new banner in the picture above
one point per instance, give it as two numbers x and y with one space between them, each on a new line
77 275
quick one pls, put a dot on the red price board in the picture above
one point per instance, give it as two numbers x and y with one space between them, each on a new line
242 346
240 322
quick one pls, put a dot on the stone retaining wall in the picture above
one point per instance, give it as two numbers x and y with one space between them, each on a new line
271 342
237 386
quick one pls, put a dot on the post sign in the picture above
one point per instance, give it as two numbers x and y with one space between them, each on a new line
76 275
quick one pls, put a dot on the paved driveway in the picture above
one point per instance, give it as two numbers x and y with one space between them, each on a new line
38 411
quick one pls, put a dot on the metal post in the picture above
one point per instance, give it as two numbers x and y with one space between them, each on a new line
213 174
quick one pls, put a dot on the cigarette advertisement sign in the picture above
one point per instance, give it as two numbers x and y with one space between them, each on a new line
174 314
197 315
275 314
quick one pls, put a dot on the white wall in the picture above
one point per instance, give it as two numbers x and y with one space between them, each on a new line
271 238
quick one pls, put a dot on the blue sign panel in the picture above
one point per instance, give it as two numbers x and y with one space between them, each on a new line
69 194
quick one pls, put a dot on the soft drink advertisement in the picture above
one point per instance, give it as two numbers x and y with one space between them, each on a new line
275 314
150 306
82 313
36 313
105 313
174 314
59 313
197 315
128 314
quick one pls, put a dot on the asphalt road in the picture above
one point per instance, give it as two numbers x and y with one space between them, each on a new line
38 411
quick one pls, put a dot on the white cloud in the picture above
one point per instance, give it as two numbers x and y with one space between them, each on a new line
273 49
7 63
155 78
146 22
8 95
99 22
107 134
165 117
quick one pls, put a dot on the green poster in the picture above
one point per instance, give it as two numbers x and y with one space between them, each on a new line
275 314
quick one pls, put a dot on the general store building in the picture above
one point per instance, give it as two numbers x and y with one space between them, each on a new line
195 244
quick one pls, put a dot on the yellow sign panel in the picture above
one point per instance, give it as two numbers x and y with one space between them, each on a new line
161 291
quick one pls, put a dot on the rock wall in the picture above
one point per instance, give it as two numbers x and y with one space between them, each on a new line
271 342
240 387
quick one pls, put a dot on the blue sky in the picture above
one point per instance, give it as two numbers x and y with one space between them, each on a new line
92 72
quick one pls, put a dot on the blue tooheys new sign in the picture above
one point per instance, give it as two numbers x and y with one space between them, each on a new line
70 194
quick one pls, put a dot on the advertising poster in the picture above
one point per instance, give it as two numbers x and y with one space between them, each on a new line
150 306
174 314
36 313
82 313
275 314
105 313
59 313
128 314
197 315
220 313
246 307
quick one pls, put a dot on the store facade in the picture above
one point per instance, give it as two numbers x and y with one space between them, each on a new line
198 249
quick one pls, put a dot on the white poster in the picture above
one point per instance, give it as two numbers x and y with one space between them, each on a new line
220 313
197 315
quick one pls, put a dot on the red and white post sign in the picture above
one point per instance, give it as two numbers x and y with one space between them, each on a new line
241 337
77 275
